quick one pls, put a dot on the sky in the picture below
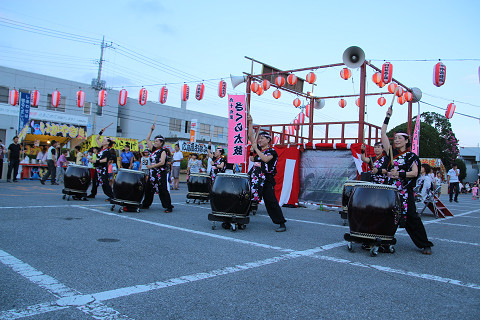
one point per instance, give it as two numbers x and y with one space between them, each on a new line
153 43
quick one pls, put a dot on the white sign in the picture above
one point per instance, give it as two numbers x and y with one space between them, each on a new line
8 110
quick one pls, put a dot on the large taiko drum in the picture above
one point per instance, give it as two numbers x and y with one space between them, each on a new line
77 180
199 186
231 194
373 211
129 187
347 191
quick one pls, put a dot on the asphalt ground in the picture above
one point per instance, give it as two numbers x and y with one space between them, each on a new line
157 265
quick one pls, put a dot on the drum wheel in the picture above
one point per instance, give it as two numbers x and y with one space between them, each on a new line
120 210
226 225
374 251
64 196
112 208
214 226
350 246
242 226
233 226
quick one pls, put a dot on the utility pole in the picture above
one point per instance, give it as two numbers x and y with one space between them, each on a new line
97 84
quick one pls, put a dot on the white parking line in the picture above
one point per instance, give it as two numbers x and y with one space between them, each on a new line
457 224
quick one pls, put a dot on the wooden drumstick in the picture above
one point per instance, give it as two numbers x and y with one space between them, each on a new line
108 125
154 119
394 95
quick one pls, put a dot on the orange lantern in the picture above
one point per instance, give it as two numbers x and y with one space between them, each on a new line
311 78
377 77
357 102
222 89
142 96
277 94
260 90
399 92
280 81
34 98
342 103
439 74
381 84
266 84
199 92
292 79
163 95
122 97
391 87
102 98
345 73
185 91
307 110
55 98
301 117
80 98
381 101
13 97
408 96
297 103
254 87
401 100
450 110
387 72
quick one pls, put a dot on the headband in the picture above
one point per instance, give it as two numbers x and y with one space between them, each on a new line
266 135
402 134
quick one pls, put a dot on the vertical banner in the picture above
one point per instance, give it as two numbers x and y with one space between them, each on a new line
193 131
416 136
24 113
236 129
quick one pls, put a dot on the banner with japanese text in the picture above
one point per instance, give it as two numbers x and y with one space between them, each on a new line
193 131
24 112
236 129
42 127
416 137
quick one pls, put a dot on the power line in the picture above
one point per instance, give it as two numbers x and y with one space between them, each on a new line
465 115
424 60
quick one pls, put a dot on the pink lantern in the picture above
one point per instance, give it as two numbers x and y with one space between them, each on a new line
55 98
297 103
377 77
163 95
301 117
311 78
102 98
392 87
122 97
439 74
345 73
13 97
342 103
222 89
199 92
277 94
80 98
381 101
450 110
142 96
34 98
408 96
266 84
260 90
254 87
280 81
307 110
387 72
185 92
292 79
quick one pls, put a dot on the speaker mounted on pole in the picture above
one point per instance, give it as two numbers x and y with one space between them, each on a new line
236 80
353 57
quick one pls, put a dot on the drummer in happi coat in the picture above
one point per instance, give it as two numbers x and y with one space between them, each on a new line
377 164
217 161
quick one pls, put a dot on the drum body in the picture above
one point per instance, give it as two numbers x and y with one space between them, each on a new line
129 187
373 211
231 195
199 186
347 192
77 179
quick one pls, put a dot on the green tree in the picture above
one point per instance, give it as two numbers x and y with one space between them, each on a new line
463 169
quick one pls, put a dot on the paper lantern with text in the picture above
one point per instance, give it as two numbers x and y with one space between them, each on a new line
377 77
266 84
297 102
345 73
280 81
381 101
199 92
142 96
401 100
260 91
254 87
439 74
55 98
222 89
277 94
122 97
391 87
450 110
163 95
292 79
342 103
102 98
13 97
311 78
408 96
185 92
34 98
80 98
387 72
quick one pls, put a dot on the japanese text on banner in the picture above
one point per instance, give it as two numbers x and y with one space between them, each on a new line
236 129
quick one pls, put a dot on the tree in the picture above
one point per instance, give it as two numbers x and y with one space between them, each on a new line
463 169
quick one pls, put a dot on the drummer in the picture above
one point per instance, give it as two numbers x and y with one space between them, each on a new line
262 175
379 164
403 171
101 164
217 160
158 173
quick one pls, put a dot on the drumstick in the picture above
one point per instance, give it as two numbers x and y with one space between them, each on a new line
108 125
154 119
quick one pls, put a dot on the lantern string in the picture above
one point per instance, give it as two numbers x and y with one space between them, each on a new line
458 101
465 115
425 60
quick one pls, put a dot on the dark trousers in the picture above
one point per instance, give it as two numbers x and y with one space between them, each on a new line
93 192
271 203
125 165
163 193
1 168
13 166
454 187
107 189
414 225
51 171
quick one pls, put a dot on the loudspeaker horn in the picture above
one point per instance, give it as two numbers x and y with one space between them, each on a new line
417 94
319 103
353 57
236 80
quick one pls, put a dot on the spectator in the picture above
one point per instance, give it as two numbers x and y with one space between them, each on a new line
79 156
41 155
177 158
51 163
127 157
14 150
3 149
61 162
136 161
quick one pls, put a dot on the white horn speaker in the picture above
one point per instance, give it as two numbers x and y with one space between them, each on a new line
353 57
417 94
236 80
319 103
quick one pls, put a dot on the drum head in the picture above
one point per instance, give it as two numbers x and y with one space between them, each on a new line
234 175
354 182
78 166
131 171
199 175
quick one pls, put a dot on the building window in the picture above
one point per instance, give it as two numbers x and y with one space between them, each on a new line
99 110
188 126
175 124
218 132
61 105
4 94
87 108
204 129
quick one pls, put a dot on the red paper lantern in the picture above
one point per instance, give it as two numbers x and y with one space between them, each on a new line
260 90
439 74
399 92
122 97
297 103
266 84
345 73
277 94
401 100
185 92
311 78
102 98
292 79
276 139
381 84
280 81
222 89
199 92
301 117
80 98
163 95
142 96
381 101
34 98
307 110
254 87
450 110
55 98
13 97
357 102
377 77
342 103
387 72
295 121
391 87
408 96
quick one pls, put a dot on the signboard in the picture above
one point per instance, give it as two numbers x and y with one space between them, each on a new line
236 129
193 131
120 143
42 127
24 113
298 87
193 147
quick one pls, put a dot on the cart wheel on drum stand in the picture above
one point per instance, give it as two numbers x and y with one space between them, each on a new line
226 225
374 249
112 208
64 196
350 246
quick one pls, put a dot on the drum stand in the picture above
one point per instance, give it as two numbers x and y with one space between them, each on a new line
76 195
376 245
229 221
201 197
124 203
